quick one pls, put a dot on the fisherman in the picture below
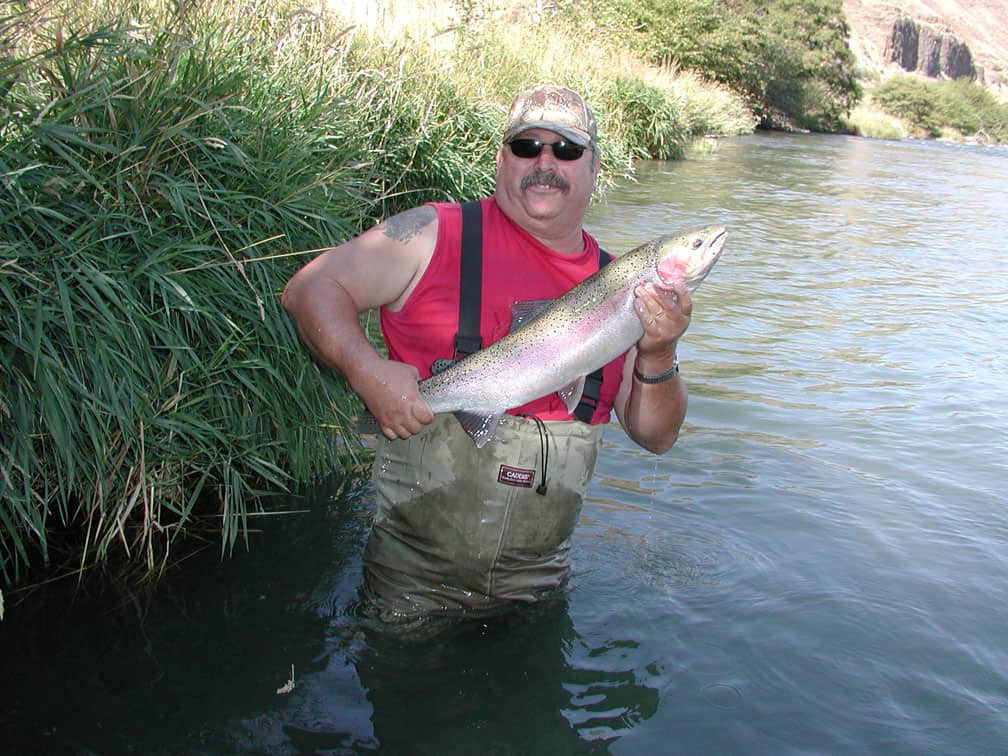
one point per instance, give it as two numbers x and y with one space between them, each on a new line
460 529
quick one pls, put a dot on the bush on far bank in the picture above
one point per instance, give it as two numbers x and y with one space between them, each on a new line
943 108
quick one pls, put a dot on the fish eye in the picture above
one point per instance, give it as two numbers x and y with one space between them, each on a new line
697 243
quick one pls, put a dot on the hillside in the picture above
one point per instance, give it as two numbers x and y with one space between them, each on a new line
978 23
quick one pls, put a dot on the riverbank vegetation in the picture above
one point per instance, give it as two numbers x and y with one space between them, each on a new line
793 64
791 61
945 109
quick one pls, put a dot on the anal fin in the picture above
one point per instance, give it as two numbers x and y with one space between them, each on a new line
480 427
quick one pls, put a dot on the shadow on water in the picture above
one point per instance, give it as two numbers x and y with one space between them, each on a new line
200 664
150 671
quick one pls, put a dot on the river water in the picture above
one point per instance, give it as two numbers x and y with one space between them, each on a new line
819 565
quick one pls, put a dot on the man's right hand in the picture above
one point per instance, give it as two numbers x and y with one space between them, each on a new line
390 393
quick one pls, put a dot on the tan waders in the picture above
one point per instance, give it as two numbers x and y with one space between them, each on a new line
461 529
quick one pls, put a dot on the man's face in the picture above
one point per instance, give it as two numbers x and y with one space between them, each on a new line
546 196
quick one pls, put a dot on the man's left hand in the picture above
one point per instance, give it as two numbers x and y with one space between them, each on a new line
664 311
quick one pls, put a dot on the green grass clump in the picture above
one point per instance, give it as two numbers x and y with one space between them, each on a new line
147 202
658 114
867 122
163 174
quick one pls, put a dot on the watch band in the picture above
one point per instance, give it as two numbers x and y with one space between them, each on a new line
653 379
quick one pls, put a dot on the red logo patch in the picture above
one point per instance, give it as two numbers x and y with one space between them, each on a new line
515 476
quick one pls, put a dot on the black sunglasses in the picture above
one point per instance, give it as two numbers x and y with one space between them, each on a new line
531 148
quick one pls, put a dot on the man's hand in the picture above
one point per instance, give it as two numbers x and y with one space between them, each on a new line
390 393
665 314
652 413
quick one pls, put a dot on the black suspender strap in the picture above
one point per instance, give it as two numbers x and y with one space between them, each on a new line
468 339
593 381
589 397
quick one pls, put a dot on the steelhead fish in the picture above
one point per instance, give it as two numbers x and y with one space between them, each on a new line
554 349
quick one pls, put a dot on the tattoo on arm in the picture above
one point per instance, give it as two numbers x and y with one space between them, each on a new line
406 225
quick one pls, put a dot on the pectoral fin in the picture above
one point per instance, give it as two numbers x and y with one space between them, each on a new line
526 310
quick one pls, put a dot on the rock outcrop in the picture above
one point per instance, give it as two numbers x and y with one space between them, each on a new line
920 48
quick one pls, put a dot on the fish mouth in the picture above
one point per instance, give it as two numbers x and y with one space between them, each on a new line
715 246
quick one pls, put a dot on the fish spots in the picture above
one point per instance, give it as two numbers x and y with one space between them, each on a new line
569 336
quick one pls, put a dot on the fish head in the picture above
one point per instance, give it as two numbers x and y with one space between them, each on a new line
689 257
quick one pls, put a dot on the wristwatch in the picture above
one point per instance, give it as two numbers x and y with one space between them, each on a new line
653 379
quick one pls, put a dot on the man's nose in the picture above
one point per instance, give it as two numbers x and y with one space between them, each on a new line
546 156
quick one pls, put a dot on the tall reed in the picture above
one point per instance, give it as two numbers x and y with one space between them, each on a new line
162 177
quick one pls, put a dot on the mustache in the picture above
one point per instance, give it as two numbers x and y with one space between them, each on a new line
545 178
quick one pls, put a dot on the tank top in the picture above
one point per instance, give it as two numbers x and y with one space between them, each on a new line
516 267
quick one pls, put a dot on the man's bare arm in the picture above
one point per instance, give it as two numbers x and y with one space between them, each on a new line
324 299
652 413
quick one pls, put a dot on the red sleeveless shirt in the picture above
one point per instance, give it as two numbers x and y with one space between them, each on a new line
516 267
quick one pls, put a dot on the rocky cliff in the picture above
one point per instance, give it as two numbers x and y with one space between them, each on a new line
937 38
918 48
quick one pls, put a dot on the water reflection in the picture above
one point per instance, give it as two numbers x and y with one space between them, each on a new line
154 673
504 685
518 683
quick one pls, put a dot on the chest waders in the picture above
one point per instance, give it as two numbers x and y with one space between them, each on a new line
459 529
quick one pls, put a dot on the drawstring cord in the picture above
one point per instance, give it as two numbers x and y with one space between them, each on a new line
543 450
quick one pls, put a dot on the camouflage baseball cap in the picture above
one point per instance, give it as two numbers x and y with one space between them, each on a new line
555 108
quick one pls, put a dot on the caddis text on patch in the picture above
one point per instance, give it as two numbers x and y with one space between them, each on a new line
515 476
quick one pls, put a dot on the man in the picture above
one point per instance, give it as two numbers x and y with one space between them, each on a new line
461 529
